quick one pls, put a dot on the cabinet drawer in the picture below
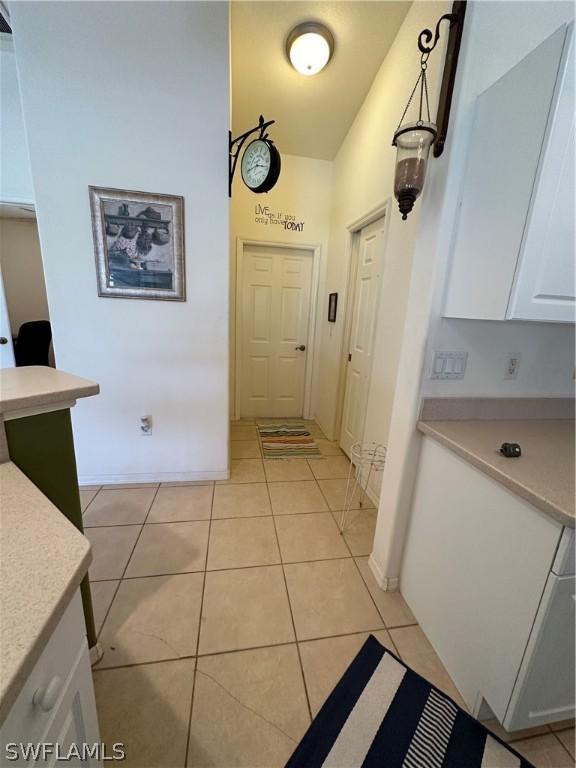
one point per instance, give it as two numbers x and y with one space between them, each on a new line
26 721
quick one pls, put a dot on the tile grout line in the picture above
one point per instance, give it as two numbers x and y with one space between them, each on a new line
292 642
108 610
83 511
121 579
142 664
141 529
211 483
362 578
237 517
290 609
190 657
558 739
186 752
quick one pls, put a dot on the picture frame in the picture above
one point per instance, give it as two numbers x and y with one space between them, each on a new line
332 307
138 244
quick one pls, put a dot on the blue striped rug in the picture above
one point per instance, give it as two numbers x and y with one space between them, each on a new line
384 715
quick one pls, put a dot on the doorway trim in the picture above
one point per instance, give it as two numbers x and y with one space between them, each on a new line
354 228
315 255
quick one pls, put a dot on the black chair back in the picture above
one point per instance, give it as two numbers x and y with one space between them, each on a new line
33 343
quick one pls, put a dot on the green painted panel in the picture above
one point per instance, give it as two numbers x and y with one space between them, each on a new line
42 446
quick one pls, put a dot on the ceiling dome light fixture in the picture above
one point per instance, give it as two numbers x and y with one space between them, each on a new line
310 47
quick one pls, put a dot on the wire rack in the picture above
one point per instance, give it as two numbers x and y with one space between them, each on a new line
365 460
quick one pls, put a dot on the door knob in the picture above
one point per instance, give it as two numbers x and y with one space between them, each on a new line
301 348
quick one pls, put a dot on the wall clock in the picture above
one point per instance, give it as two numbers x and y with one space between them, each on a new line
261 163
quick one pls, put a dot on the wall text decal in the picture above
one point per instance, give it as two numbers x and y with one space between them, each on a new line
264 215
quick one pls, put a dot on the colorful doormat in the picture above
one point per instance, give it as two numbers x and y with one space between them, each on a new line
383 714
287 441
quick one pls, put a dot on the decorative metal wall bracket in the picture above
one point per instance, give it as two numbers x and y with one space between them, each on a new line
456 21
235 146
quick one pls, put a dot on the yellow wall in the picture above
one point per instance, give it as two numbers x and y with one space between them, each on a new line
22 271
362 181
302 192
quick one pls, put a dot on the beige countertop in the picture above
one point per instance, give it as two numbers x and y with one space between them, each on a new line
543 475
43 559
39 387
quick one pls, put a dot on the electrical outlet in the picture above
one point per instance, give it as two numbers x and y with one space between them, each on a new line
146 426
449 365
512 365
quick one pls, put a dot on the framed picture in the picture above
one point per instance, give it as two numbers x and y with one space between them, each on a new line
332 307
138 244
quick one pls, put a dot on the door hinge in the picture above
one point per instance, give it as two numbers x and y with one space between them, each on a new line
349 357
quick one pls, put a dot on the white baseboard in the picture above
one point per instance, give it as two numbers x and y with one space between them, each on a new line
153 477
388 584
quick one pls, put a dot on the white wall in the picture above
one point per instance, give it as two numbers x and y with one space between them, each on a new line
15 178
546 363
134 96
496 36
22 271
500 35
303 191
362 181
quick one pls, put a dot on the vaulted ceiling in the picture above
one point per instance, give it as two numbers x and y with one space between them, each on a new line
313 114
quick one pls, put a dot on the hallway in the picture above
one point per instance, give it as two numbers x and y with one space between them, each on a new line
259 558
227 612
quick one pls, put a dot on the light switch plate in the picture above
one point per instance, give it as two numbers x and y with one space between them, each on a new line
449 365
512 365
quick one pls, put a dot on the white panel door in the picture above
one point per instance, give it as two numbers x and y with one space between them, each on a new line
365 307
274 320
544 288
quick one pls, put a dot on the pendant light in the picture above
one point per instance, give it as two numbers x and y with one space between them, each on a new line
413 140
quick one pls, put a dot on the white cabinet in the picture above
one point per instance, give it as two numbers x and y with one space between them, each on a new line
544 285
478 574
545 689
513 244
56 705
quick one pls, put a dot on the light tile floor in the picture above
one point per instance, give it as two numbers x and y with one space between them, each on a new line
228 612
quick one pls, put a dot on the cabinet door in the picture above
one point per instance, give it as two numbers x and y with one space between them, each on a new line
544 286
510 122
544 689
76 722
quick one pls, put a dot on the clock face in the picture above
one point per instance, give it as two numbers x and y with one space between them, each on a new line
256 163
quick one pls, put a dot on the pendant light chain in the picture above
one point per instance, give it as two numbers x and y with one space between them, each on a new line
422 81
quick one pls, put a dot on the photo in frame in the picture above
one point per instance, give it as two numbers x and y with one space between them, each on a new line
332 307
138 244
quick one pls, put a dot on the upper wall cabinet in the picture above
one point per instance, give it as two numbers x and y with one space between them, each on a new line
513 245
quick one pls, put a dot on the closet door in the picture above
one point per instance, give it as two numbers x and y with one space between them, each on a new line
364 313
